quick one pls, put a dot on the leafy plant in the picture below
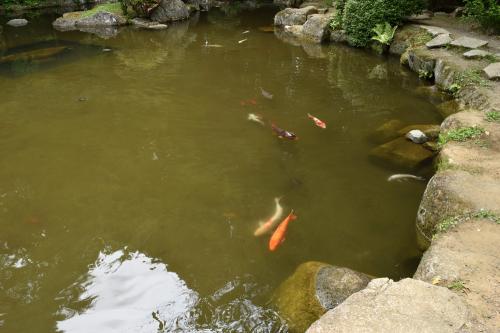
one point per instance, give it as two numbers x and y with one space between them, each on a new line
461 134
454 89
423 74
458 285
360 16
142 8
492 116
384 33
486 12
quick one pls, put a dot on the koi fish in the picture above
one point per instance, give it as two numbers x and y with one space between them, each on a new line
403 176
248 102
271 223
245 32
278 236
283 133
318 122
242 41
266 94
213 45
256 118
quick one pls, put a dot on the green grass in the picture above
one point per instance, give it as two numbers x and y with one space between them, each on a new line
471 77
458 285
493 116
447 224
461 134
488 215
420 39
452 221
114 8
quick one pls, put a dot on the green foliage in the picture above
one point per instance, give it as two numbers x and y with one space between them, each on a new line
458 285
336 22
461 134
360 16
469 77
486 12
426 75
142 8
488 215
493 116
454 89
384 33
447 224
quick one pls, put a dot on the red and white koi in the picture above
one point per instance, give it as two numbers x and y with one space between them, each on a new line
318 122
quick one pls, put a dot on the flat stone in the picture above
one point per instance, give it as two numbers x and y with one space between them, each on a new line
476 54
440 40
468 42
406 306
147 24
434 31
17 22
493 71
468 253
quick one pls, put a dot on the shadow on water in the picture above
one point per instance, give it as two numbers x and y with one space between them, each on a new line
44 55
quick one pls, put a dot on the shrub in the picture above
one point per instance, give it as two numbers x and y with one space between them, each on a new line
486 12
142 8
359 17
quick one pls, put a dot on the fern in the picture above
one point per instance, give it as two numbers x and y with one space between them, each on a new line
384 33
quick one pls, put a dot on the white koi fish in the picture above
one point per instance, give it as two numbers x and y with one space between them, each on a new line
403 176
256 118
268 226
242 41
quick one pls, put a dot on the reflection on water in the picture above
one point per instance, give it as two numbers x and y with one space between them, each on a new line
131 180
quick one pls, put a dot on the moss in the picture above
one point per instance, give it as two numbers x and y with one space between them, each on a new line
452 221
114 8
461 134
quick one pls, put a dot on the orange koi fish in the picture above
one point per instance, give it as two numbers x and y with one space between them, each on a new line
279 235
318 122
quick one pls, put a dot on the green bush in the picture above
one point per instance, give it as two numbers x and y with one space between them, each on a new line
359 17
486 12
142 8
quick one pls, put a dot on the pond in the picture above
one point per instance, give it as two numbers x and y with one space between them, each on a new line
131 179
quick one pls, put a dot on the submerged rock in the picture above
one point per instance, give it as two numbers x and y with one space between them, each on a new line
416 136
405 306
17 23
402 152
170 10
313 289
317 27
387 131
294 16
34 55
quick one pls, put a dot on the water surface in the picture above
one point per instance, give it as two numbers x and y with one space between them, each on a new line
131 180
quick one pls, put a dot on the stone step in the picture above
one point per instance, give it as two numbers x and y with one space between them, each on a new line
476 54
493 71
440 40
468 42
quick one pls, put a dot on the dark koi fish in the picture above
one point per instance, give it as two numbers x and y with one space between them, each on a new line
283 134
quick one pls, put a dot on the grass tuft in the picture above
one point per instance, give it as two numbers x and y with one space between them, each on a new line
114 8
493 116
460 134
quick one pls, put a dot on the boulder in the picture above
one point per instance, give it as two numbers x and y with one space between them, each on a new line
100 19
203 5
288 3
493 71
416 136
402 153
468 42
472 54
338 36
448 108
464 259
313 289
17 22
294 16
147 24
440 40
405 306
317 27
103 24
170 10
294 30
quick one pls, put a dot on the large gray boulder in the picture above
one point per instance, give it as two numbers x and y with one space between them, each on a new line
17 22
100 19
103 24
409 306
317 27
294 16
465 260
313 289
288 3
170 10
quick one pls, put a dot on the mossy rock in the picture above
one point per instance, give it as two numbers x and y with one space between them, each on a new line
387 131
313 289
448 108
403 153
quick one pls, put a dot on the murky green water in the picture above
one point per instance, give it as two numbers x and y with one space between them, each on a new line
131 181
